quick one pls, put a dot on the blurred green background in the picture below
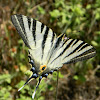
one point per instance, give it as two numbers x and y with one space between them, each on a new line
79 81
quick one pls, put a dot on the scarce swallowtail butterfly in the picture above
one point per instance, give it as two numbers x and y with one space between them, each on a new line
48 53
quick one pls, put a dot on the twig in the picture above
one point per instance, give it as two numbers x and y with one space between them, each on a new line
92 23
64 30
57 84
41 4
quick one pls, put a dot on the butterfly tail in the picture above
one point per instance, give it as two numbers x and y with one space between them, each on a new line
26 83
33 95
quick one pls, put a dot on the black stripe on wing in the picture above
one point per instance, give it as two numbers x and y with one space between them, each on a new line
17 21
75 42
65 41
44 39
29 22
85 55
67 46
53 35
84 47
20 19
42 27
34 30
59 39
78 47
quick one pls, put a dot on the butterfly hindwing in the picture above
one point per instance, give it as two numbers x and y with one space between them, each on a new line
71 51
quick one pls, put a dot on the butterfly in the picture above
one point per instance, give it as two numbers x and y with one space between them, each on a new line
47 52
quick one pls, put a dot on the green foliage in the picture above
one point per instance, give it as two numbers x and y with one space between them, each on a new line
5 90
5 93
55 75
29 91
5 78
40 10
55 13
20 84
76 18
80 78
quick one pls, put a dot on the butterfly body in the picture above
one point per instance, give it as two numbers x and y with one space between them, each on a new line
48 53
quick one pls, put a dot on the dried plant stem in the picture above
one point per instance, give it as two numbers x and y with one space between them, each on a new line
57 85
41 4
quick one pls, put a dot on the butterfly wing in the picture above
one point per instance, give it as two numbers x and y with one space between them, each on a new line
70 51
37 36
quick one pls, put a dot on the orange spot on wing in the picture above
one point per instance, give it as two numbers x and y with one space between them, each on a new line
42 67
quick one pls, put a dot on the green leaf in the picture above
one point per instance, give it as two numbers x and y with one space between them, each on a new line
88 6
28 73
41 98
20 41
94 43
23 68
22 56
21 83
97 16
55 13
75 77
41 10
6 78
6 95
61 75
80 78
97 32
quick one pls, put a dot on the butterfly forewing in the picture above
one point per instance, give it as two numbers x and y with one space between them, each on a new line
37 36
